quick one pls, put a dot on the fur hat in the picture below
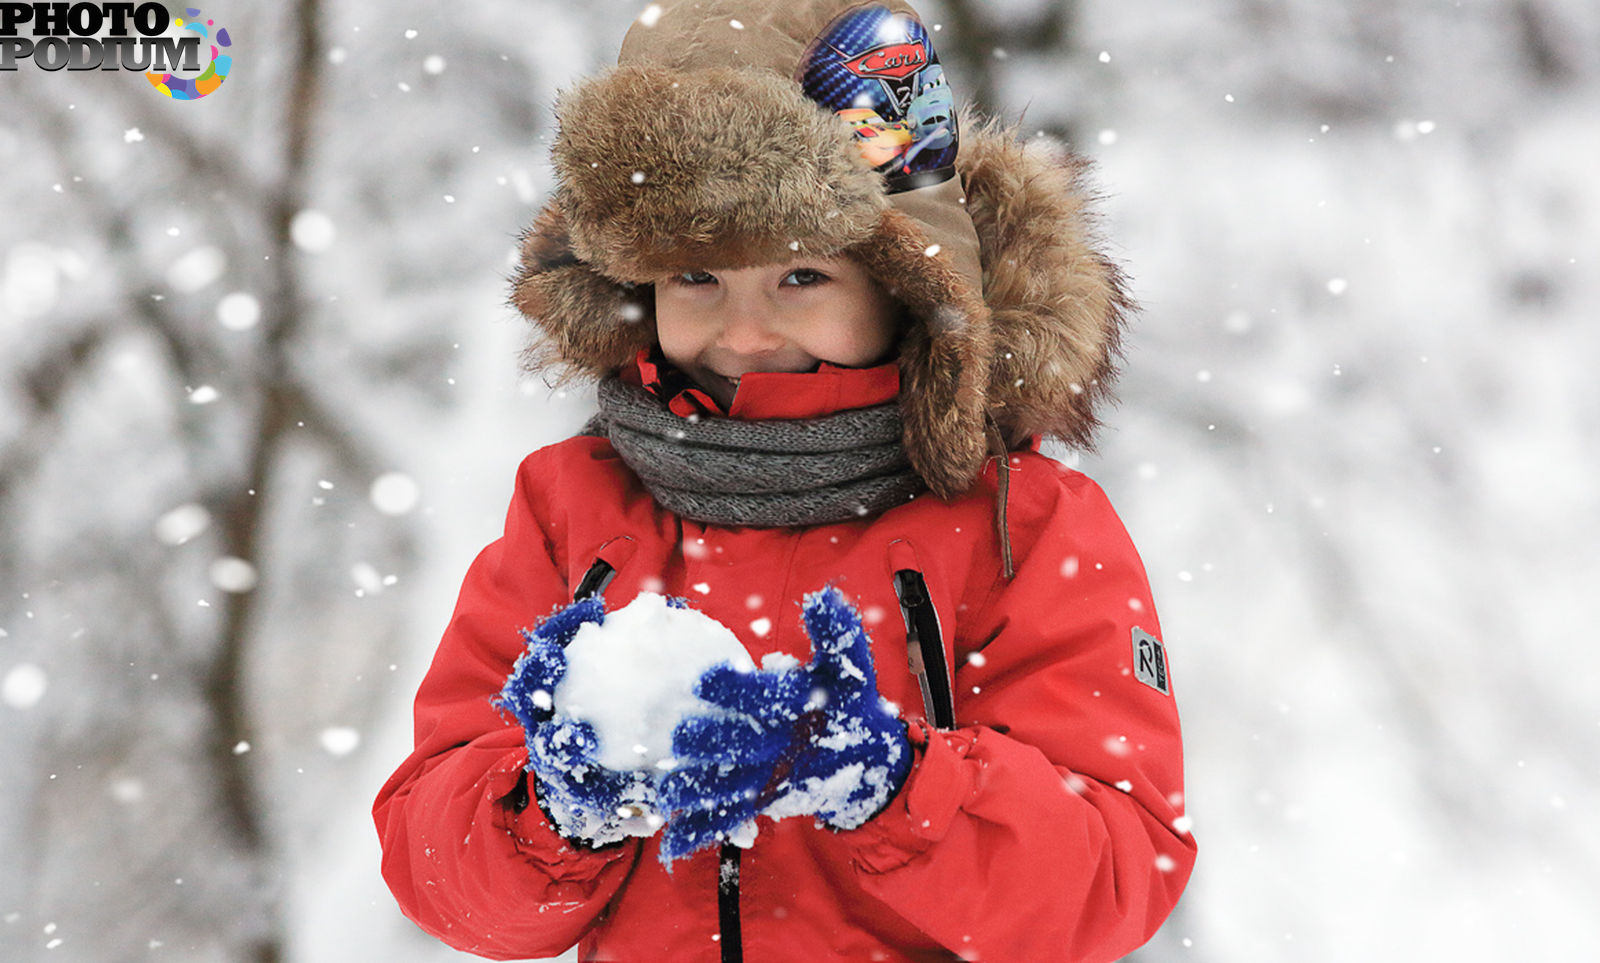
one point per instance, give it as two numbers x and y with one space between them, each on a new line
742 132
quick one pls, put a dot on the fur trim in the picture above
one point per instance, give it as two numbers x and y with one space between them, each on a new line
944 354
1058 306
591 324
661 171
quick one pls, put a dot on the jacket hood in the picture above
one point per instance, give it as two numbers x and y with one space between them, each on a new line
718 141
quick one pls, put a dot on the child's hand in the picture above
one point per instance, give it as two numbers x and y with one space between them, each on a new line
583 799
800 740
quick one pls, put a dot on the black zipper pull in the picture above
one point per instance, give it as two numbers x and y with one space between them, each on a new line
925 647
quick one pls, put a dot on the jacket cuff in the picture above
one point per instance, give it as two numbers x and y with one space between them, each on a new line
521 816
941 781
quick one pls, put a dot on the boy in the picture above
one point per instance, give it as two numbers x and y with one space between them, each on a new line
824 369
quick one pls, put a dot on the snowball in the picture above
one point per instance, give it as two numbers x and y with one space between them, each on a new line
632 677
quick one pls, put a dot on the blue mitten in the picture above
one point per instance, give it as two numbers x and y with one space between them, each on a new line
584 800
791 741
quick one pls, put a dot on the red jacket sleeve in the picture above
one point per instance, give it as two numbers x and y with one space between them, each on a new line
1048 825
462 861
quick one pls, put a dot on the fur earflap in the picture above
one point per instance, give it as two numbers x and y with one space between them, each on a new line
590 324
944 355
1057 305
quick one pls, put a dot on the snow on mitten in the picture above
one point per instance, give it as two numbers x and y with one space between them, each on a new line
793 741
583 799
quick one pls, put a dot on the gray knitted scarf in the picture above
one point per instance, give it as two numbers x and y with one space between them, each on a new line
764 474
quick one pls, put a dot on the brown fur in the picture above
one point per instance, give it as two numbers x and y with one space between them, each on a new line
1058 305
944 356
1036 352
676 170
591 324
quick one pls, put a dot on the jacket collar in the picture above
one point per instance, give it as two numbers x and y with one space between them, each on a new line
767 395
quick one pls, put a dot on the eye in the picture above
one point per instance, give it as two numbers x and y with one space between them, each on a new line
695 278
804 277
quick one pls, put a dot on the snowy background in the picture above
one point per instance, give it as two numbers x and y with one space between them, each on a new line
259 407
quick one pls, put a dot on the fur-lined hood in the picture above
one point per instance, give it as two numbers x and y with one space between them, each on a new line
676 161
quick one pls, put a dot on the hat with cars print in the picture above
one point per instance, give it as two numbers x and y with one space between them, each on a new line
734 133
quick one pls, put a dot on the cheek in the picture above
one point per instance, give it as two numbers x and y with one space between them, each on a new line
677 336
858 338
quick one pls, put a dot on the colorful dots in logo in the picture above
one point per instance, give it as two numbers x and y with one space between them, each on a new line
185 88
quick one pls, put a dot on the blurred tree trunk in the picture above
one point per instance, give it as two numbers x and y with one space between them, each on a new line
1545 45
244 805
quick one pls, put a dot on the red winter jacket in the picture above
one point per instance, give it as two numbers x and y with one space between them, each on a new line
1045 825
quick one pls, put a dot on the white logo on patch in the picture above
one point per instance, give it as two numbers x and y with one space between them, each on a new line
1150 661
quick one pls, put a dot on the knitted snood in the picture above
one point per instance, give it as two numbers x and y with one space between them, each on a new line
762 474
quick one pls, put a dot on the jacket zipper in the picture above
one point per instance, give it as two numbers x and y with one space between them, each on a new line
595 580
731 938
925 647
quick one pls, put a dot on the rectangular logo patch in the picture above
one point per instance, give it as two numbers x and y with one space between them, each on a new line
1149 661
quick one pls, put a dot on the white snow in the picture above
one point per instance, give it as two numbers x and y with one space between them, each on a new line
233 574
395 493
312 230
24 686
182 523
198 268
339 740
238 311
632 677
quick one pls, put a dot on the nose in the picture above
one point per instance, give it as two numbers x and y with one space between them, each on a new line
746 330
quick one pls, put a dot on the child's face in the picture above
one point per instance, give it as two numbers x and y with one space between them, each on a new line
718 325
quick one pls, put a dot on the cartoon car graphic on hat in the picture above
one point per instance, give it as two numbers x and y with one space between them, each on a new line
881 141
932 111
